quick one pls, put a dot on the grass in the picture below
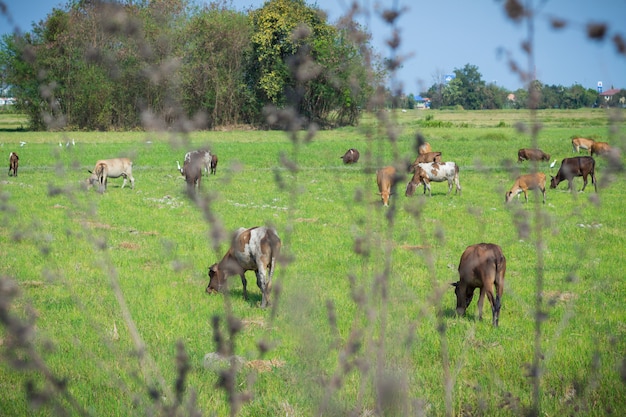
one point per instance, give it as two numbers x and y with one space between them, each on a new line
68 248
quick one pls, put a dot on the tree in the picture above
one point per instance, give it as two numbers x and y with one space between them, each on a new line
470 88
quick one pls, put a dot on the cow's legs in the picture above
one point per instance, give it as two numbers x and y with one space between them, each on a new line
124 183
481 300
261 281
244 282
584 182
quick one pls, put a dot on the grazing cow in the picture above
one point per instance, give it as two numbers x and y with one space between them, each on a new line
581 143
424 148
482 266
351 156
600 148
523 183
111 168
14 162
213 164
425 157
192 171
203 155
437 172
578 166
386 179
254 249
532 155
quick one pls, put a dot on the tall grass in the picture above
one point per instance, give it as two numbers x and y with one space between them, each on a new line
363 317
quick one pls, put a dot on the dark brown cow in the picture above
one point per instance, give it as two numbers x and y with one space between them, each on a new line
482 266
14 162
578 166
385 178
192 171
425 158
213 164
254 249
532 155
351 156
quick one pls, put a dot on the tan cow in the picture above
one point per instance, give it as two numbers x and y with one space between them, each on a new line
600 148
255 249
424 148
385 178
111 168
582 143
523 183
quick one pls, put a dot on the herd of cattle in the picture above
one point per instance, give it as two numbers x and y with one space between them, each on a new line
256 249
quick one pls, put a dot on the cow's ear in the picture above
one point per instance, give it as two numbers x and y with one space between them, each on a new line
454 284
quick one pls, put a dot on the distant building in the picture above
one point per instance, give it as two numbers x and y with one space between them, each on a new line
608 95
7 101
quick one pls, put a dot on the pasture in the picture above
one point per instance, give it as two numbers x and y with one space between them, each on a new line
113 285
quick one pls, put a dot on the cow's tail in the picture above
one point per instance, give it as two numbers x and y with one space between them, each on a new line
500 266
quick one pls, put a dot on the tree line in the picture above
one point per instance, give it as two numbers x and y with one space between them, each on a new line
167 64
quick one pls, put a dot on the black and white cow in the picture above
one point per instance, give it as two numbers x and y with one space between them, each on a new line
425 173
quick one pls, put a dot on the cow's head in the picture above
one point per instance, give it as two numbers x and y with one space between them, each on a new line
384 196
463 297
92 180
410 189
553 182
216 279
508 196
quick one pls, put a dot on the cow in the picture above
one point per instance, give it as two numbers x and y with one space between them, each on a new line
351 156
437 172
578 143
482 266
14 162
532 155
578 166
213 164
203 155
424 148
254 249
111 168
425 157
600 148
192 171
523 183
386 179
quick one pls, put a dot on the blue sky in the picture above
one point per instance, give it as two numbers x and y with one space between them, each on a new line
439 36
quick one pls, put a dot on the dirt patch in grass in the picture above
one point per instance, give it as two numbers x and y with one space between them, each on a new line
265 365
129 245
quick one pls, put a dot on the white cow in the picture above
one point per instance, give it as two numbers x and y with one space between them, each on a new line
437 172
113 168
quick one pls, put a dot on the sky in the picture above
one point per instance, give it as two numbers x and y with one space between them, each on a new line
439 36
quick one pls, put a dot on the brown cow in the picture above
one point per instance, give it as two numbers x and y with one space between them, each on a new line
424 148
582 143
532 155
424 158
14 162
192 171
351 156
523 183
482 266
385 178
213 164
600 148
254 249
578 166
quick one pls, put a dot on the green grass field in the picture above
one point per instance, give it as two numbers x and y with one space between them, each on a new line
364 320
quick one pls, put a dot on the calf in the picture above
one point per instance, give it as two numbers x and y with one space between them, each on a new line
523 183
578 166
213 164
254 249
437 172
581 143
14 162
482 266
386 179
424 158
532 155
600 148
351 156
111 168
